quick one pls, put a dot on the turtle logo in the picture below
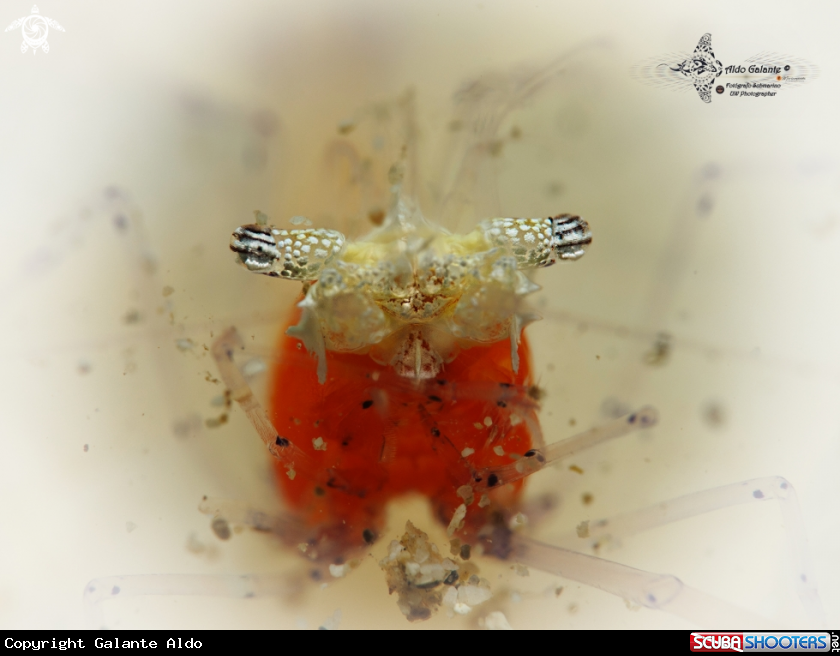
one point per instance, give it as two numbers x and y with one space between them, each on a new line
35 29
701 68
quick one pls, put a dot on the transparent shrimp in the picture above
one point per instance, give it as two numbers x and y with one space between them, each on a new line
700 298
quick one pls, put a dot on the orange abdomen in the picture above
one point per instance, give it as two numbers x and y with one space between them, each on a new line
375 436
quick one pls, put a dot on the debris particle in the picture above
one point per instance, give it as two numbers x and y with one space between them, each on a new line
184 344
260 218
300 220
254 367
457 519
194 545
221 528
291 473
558 591
215 422
587 498
130 526
554 188
85 448
318 444
187 426
339 571
661 351
520 570
575 469
583 529
515 419
83 367
518 521
484 501
416 572
488 422
376 216
499 450
466 493
537 393
131 317
332 622
168 291
632 606
467 452
714 414
473 594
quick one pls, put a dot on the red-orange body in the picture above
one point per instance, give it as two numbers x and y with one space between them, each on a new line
383 436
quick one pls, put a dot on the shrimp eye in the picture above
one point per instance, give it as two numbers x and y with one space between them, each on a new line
256 247
571 236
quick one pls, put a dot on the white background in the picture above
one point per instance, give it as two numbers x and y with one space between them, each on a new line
202 112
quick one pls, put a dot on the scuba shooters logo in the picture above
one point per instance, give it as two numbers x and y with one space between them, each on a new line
734 641
760 76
